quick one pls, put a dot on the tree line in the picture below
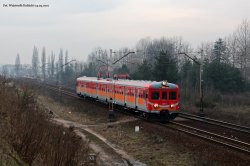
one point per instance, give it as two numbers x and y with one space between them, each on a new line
59 69
225 62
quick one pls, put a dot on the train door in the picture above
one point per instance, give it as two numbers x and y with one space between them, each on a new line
110 92
141 99
126 95
130 97
119 95
95 90
82 87
136 96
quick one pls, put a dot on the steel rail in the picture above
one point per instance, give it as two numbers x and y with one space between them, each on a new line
218 121
210 139
224 124
212 134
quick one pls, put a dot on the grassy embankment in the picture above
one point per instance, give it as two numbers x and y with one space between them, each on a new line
28 137
233 107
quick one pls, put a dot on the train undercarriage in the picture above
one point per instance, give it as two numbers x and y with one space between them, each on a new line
163 116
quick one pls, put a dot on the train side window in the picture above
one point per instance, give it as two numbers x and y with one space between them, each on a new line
127 92
131 92
145 94
155 95
164 96
172 95
141 94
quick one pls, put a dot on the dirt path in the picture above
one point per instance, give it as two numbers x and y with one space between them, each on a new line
107 158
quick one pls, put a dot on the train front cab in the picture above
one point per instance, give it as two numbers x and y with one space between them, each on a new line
163 101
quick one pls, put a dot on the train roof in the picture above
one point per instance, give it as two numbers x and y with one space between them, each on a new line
136 83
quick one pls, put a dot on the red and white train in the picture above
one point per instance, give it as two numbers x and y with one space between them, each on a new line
157 100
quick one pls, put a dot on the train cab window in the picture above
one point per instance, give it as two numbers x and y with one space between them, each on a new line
172 95
155 96
164 96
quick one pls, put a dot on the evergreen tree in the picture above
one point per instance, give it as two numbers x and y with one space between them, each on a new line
60 61
35 62
165 67
90 70
223 77
17 65
43 60
52 64
144 72
219 51
122 70
49 67
60 65
67 66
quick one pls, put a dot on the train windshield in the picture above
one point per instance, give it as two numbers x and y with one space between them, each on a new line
172 95
163 95
155 95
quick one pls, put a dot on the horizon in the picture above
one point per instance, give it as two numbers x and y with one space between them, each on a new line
81 26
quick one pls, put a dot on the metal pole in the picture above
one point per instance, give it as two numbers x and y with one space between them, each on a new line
201 104
200 63
201 85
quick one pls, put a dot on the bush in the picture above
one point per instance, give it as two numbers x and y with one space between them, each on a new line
223 77
29 130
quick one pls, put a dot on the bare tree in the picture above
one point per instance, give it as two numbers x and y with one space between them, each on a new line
231 49
242 36
141 47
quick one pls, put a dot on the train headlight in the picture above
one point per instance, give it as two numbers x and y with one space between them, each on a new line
164 83
172 106
156 105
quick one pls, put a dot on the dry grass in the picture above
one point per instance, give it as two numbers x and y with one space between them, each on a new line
28 130
150 148
85 112
158 146
8 156
233 108
67 112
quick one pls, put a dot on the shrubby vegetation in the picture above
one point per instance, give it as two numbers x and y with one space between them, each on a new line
223 77
28 129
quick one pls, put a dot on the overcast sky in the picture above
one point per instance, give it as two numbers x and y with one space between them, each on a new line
82 25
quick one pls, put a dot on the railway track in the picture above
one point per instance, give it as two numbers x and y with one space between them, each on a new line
215 122
226 141
212 137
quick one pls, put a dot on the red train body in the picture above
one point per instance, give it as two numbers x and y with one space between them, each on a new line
157 100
